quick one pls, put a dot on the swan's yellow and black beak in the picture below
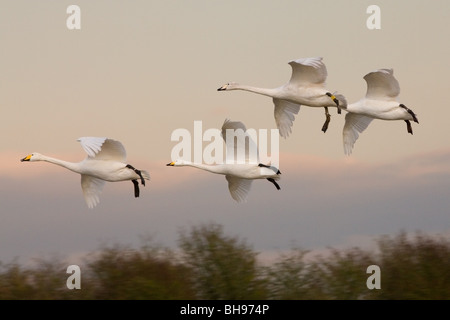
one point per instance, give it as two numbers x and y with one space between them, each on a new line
27 158
223 88
171 164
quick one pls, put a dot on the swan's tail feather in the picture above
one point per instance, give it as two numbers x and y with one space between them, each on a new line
341 100
145 175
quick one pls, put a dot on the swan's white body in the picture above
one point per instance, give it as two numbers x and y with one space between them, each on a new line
240 171
239 176
380 102
106 161
306 87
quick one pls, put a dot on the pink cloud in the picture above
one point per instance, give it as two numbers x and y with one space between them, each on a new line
347 171
350 174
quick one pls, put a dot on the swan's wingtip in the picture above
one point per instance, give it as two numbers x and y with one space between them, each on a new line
311 61
389 71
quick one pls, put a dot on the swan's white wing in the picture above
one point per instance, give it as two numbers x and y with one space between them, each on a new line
103 148
354 125
228 124
239 188
284 113
381 84
308 71
92 188
92 145
245 150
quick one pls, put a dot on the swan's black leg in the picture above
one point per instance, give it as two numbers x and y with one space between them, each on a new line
327 121
266 166
335 100
274 182
413 115
408 126
136 188
138 173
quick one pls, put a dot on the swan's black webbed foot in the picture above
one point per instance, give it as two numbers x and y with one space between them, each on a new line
136 188
274 182
327 120
335 100
408 126
138 172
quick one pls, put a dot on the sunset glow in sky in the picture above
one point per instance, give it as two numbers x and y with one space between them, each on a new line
136 71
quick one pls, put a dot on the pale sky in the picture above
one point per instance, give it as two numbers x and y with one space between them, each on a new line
138 70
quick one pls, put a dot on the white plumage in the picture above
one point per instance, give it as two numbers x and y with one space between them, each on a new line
238 175
305 87
105 161
380 102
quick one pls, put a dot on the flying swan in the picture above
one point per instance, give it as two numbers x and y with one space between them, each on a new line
380 102
106 161
306 87
238 175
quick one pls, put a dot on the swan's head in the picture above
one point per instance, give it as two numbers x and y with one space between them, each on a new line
178 162
33 157
228 86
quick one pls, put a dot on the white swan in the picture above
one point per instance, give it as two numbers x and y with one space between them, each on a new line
306 87
239 175
106 161
380 102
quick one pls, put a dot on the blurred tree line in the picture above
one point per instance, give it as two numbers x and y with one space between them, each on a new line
212 265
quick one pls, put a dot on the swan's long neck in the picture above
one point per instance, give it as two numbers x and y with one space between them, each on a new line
263 91
211 168
73 166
